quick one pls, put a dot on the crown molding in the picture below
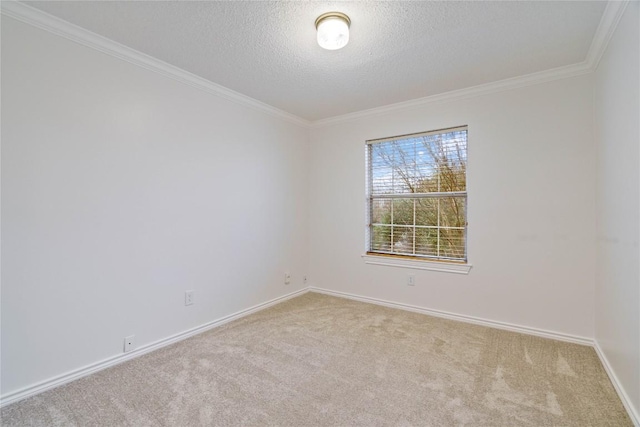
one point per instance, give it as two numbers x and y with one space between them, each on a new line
607 26
470 92
610 18
57 26
608 23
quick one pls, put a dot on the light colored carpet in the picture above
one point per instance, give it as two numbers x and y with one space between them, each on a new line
322 361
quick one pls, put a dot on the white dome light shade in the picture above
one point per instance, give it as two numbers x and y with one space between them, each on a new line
333 30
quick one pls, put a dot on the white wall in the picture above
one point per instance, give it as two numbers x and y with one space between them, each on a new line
531 208
121 189
617 117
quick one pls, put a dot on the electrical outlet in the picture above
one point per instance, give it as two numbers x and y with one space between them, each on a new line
129 343
411 280
189 297
287 278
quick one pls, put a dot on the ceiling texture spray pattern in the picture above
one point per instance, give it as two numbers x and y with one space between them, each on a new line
398 51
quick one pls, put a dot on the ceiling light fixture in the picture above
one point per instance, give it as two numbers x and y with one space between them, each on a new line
333 30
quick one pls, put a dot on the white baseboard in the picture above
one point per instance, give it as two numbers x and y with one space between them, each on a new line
98 366
59 380
461 318
626 401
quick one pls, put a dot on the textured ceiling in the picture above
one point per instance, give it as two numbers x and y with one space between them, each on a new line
398 51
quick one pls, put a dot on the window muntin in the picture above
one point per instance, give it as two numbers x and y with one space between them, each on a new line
417 195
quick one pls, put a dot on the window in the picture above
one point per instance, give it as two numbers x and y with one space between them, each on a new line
417 195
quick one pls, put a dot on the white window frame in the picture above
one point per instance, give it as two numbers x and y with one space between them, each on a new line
424 262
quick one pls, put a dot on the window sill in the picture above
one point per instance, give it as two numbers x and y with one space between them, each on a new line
442 266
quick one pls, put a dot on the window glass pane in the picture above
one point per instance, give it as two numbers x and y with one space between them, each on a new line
445 155
452 243
403 211
381 169
427 241
453 212
404 166
427 181
431 163
403 240
381 238
427 212
381 211
382 181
